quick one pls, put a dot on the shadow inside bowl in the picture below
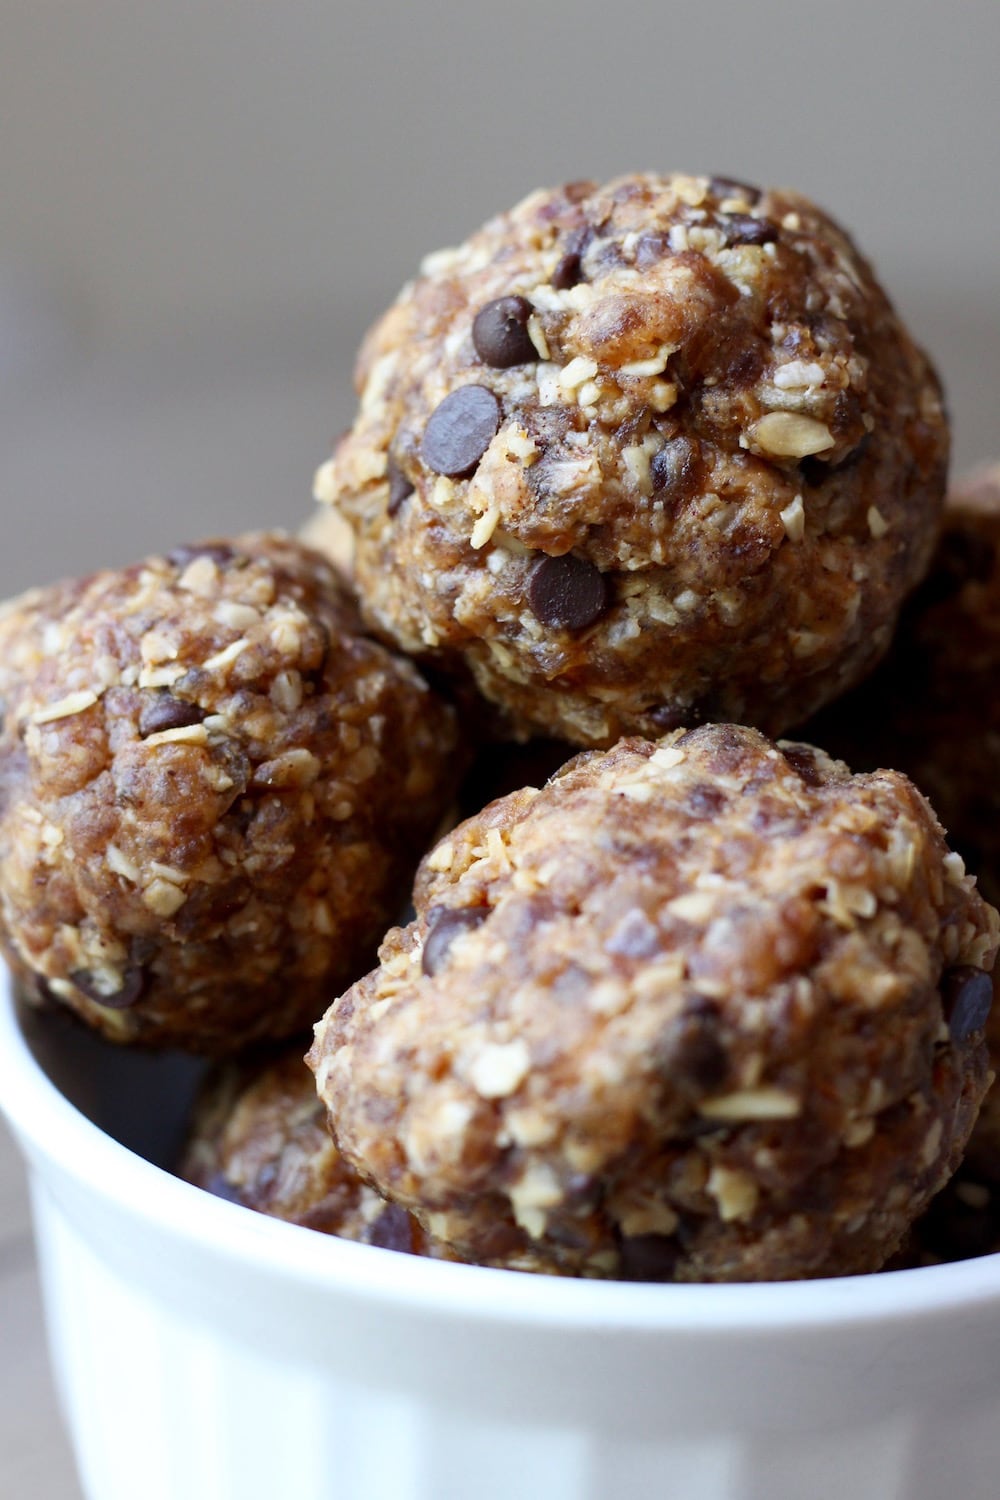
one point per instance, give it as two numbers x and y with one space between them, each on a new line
141 1099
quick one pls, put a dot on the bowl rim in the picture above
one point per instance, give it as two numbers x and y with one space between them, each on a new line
48 1125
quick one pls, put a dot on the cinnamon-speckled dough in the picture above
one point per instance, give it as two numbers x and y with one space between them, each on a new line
643 455
213 791
678 1015
259 1138
933 710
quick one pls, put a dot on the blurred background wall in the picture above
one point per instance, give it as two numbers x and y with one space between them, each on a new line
203 203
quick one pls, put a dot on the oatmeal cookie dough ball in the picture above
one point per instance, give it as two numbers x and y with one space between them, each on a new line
213 790
694 1011
259 1138
644 455
933 710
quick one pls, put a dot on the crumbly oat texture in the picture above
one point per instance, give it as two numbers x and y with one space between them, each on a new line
692 1012
644 455
933 710
259 1138
213 790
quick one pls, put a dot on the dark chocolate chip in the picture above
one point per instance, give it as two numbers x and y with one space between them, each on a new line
967 995
568 272
219 552
460 430
220 1187
698 1055
731 187
805 762
500 333
742 229
649 1257
133 984
649 249
569 268
392 1230
567 593
669 716
444 925
167 712
400 487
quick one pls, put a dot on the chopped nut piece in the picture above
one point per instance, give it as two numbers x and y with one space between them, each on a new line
786 434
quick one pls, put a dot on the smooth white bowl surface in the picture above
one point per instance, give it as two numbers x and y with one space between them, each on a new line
203 1352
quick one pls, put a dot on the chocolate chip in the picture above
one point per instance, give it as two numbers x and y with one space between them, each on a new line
133 984
500 333
219 552
742 229
699 1055
445 924
569 268
804 760
668 716
649 249
731 187
220 1186
648 1257
567 593
392 1230
400 487
967 995
167 712
568 272
460 430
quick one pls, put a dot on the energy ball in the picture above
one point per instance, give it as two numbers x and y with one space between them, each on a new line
259 1138
933 710
213 792
642 456
694 1011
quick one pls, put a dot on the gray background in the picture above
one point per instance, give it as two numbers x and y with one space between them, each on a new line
203 204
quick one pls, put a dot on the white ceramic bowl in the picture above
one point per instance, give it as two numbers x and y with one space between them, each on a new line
203 1352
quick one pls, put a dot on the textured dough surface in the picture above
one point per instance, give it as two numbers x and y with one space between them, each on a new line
677 1015
213 791
701 494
